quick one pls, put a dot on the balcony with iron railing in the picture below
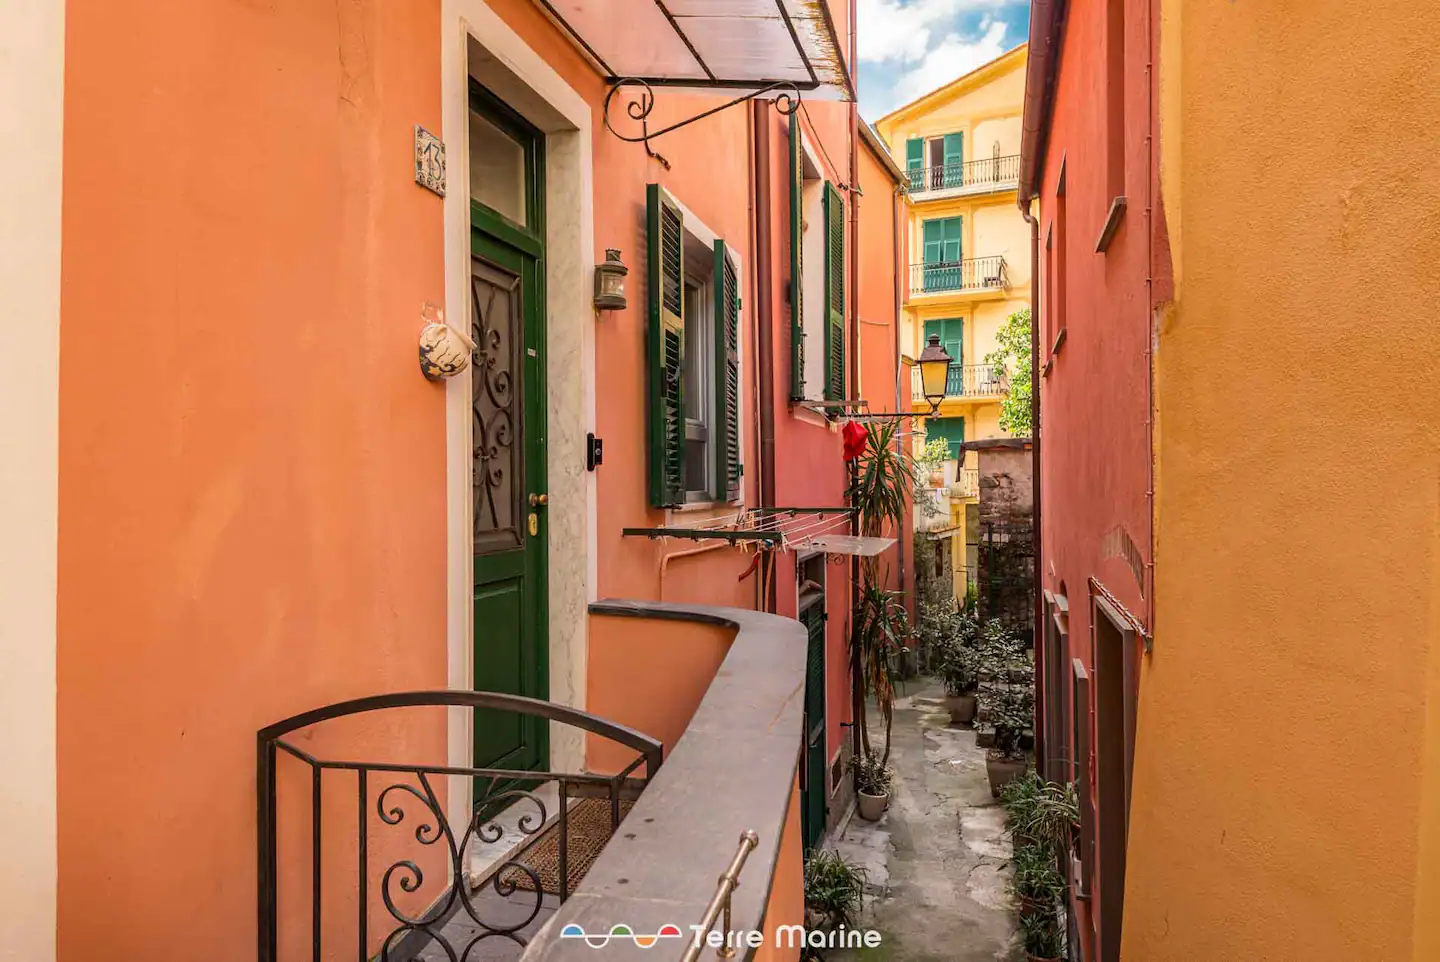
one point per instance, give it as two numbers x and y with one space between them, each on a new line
365 853
971 177
976 274
967 381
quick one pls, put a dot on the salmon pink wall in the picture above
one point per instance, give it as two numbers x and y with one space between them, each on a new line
252 516
877 315
1094 403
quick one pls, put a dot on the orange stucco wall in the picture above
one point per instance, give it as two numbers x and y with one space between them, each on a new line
1286 799
787 890
252 516
648 674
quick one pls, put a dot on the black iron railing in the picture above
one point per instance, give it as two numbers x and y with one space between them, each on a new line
975 274
996 173
439 917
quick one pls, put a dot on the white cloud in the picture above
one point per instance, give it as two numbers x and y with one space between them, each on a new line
953 57
895 30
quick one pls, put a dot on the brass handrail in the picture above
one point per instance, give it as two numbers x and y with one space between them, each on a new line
729 882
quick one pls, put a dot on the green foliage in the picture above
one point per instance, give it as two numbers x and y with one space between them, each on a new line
1041 813
833 889
1007 687
872 775
955 655
883 479
1040 933
1012 715
1012 357
881 629
884 475
1042 818
932 456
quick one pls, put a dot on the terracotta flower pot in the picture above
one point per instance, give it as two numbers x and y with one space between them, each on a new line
872 806
1002 771
1043 958
985 737
962 708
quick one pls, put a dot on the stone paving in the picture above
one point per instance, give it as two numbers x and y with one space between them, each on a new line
937 859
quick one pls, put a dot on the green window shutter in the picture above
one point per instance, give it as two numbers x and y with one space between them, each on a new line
954 160
952 227
951 331
726 431
665 260
914 160
951 430
797 237
834 294
933 231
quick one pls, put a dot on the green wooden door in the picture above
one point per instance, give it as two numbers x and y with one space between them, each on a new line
507 324
813 797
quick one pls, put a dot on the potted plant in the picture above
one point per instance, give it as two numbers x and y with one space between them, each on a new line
1006 760
931 462
872 784
1041 812
834 890
960 672
1040 934
1042 818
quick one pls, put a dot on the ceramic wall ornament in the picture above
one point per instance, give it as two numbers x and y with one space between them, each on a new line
444 350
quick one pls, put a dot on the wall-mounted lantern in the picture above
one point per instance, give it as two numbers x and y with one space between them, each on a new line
610 282
935 364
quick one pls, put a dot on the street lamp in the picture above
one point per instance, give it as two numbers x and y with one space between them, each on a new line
934 372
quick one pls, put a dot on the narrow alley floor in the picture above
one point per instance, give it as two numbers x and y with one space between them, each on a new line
937 859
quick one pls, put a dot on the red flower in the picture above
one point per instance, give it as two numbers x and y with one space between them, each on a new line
854 435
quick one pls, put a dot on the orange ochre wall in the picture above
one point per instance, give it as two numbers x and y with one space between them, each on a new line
252 516
1287 776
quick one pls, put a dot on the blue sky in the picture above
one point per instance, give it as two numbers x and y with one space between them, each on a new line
910 47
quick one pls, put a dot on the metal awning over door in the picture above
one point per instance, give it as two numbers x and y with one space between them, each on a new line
722 44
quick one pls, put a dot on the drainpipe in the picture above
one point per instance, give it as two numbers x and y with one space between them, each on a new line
1038 546
858 706
764 313
897 211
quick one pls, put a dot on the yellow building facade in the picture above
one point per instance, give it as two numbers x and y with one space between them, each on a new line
968 267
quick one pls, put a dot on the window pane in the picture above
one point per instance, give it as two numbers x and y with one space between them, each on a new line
497 169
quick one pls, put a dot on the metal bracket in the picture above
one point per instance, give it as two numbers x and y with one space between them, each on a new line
787 101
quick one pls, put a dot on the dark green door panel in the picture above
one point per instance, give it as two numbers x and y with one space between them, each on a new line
509 536
813 797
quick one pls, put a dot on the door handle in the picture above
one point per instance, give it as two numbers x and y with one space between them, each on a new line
539 500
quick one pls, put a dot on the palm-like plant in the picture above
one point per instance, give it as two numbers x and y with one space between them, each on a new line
884 477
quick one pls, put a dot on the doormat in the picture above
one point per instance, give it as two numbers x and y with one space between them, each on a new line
587 826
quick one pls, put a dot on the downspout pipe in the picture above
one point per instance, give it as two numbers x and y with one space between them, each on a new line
1037 534
765 313
897 210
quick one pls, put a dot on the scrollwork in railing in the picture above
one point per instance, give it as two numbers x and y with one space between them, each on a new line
434 911
434 927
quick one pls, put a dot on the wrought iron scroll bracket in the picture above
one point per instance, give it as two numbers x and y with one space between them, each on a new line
639 108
